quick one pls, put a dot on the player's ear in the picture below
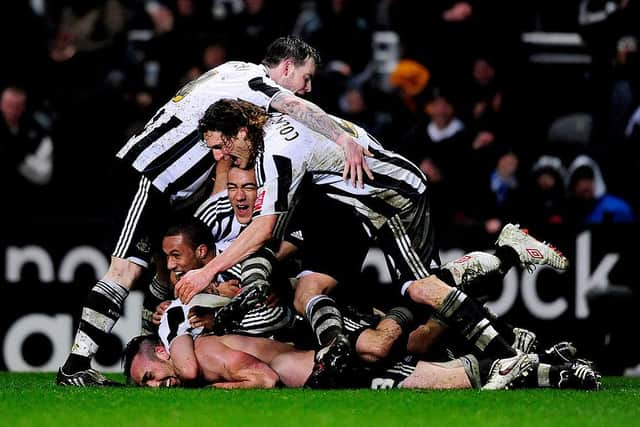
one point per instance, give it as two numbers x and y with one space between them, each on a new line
288 67
161 352
201 251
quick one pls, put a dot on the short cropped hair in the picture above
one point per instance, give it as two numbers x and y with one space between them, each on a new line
138 344
195 231
290 47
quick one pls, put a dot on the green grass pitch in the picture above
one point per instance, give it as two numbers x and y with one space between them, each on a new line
32 399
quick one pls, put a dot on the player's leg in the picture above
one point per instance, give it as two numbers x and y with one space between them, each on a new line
100 312
325 318
432 375
461 312
158 291
332 257
409 242
376 343
103 306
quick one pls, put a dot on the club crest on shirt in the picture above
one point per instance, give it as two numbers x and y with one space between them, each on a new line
144 245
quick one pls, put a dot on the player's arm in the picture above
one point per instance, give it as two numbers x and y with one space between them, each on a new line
228 368
184 358
318 120
222 170
249 241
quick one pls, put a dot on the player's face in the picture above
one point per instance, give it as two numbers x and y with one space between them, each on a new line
298 78
154 372
242 188
181 257
238 148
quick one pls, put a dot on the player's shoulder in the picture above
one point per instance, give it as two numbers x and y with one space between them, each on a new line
240 68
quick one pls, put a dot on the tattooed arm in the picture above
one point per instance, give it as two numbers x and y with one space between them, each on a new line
315 118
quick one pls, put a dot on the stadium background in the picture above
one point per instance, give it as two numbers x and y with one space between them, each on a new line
55 243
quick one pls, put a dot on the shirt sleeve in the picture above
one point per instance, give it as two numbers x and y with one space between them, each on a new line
282 178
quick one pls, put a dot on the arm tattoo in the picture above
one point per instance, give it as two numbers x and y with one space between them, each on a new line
309 114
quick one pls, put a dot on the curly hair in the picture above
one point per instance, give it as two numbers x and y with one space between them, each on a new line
227 116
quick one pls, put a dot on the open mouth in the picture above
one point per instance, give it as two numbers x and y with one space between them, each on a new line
171 382
242 210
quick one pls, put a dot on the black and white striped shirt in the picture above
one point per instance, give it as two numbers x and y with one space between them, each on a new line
218 214
169 150
293 150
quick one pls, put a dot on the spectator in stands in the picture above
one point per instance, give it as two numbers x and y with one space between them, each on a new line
546 200
505 185
610 31
590 203
340 33
26 150
259 22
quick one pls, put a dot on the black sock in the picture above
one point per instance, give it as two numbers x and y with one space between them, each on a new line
99 314
484 366
470 319
325 319
508 258
546 375
402 316
157 292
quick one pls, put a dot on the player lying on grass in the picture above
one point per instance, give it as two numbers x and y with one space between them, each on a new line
236 361
181 324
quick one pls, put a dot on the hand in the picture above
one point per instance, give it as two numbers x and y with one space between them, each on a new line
192 283
354 160
228 288
483 139
199 319
160 309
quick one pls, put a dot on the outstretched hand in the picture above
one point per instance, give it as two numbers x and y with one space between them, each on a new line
354 161
192 283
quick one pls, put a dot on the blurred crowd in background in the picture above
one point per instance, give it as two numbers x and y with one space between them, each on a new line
525 111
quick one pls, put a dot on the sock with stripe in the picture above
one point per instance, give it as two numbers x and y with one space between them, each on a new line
470 319
545 375
257 269
157 292
325 319
102 309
